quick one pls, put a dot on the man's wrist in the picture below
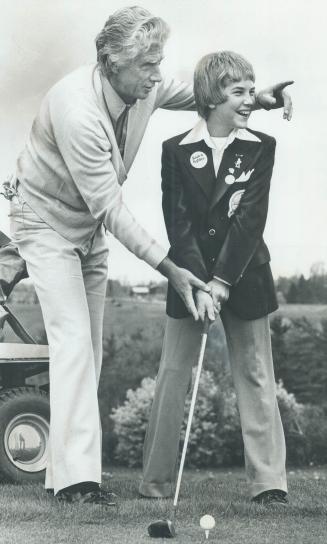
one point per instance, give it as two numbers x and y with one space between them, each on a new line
166 266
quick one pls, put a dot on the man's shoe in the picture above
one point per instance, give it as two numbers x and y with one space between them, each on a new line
99 496
272 496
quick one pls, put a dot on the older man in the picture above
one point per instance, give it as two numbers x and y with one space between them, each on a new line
68 191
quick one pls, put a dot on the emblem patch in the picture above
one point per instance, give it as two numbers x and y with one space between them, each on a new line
245 176
234 201
198 159
230 178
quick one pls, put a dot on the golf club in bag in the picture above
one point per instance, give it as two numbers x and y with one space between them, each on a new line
165 528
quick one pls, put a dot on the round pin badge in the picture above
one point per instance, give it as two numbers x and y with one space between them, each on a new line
230 179
198 159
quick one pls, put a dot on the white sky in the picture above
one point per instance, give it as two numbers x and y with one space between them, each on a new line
42 40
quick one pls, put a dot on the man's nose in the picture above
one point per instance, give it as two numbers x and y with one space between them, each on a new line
156 76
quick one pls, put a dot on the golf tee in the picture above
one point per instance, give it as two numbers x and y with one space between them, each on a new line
207 533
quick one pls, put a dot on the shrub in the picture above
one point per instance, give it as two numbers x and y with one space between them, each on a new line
130 422
128 358
215 438
313 422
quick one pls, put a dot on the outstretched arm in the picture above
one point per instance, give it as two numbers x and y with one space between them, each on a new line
274 97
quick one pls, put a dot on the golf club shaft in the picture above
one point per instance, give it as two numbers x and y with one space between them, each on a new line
190 416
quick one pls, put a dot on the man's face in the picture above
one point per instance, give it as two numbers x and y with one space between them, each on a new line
236 110
137 79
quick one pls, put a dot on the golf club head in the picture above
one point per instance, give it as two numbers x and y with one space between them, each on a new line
163 528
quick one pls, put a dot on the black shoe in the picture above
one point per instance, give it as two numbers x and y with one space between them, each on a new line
272 496
99 496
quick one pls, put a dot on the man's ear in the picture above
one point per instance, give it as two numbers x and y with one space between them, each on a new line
114 68
111 66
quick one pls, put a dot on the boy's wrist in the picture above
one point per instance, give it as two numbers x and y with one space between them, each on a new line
216 278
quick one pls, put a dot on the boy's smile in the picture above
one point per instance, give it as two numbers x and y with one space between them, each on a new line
235 111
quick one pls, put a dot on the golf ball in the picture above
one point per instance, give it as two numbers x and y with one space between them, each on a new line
207 522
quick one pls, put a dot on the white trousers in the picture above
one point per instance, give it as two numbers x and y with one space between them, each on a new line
253 375
71 286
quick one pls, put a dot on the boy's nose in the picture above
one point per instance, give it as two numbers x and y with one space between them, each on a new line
249 100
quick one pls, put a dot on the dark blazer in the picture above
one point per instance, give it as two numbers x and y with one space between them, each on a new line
214 225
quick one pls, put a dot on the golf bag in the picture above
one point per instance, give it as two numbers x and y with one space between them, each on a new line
12 267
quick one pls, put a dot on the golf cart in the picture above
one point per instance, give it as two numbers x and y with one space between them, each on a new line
24 388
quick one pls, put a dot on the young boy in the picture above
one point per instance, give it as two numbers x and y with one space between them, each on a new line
215 182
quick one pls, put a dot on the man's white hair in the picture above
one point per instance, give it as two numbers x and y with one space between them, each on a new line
127 33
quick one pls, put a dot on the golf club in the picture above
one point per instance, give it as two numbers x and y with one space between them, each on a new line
165 528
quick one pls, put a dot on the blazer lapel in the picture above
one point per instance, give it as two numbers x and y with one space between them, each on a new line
199 163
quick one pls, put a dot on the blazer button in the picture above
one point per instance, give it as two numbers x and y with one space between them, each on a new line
212 232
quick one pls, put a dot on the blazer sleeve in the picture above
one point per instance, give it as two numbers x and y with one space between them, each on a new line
249 221
184 250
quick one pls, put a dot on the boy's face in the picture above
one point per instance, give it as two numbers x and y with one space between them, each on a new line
236 110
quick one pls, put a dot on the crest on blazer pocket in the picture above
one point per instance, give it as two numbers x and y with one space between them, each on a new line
234 201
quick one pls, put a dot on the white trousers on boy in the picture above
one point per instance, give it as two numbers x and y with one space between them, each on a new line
249 348
71 285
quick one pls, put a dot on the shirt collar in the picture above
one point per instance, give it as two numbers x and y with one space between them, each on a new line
200 132
115 104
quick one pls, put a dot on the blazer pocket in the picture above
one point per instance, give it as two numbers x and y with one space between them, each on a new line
260 257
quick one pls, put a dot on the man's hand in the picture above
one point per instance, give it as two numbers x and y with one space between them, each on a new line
219 293
204 305
183 282
276 97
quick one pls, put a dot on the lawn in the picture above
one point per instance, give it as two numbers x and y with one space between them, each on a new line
28 515
128 315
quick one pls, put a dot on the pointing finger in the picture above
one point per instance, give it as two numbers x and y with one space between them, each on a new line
280 86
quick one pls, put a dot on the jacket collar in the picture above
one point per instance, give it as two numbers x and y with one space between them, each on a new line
200 132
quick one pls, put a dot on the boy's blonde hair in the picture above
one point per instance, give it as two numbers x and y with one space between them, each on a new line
213 73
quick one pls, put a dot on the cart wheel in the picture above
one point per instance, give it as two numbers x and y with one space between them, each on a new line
24 434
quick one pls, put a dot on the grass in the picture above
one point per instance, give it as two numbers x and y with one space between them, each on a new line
28 515
129 315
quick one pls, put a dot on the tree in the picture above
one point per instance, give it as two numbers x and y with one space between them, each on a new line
299 350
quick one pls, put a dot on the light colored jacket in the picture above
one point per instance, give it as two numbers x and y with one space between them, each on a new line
71 170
